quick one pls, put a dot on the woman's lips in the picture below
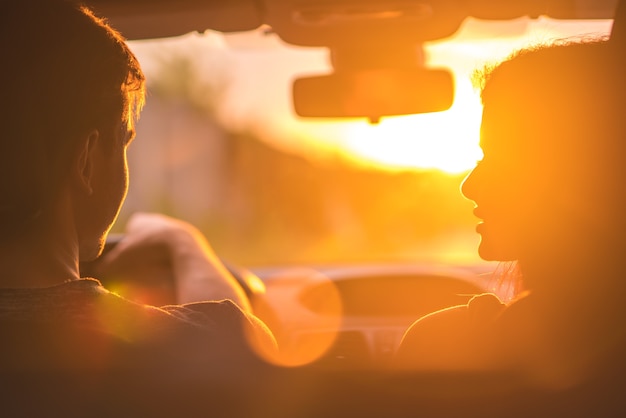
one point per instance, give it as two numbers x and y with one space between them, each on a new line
481 224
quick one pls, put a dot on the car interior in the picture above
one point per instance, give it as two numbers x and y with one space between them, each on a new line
338 311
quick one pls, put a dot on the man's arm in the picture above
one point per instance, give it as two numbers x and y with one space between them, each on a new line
159 252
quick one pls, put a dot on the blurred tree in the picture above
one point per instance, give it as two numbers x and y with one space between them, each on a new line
179 77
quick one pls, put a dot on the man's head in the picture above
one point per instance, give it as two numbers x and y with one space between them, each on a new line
71 92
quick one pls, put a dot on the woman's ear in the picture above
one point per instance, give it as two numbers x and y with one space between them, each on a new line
83 164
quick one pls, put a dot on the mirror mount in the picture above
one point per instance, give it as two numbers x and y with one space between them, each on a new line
363 57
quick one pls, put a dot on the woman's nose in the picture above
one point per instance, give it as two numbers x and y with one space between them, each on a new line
469 184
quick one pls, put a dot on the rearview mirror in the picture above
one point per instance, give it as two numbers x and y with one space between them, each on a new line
373 93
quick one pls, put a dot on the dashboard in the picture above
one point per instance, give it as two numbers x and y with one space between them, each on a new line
354 316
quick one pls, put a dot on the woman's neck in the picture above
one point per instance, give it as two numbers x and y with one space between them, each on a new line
570 321
585 281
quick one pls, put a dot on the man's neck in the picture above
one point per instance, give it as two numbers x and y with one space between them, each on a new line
38 259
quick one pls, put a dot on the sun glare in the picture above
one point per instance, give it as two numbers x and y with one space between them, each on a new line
446 141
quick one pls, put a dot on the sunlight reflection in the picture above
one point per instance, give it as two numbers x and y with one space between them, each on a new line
314 329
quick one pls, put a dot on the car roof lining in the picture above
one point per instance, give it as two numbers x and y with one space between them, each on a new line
141 19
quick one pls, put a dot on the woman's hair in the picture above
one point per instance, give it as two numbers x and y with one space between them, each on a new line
65 72
563 79
506 281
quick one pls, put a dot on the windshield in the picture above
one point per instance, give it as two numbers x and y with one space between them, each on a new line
219 145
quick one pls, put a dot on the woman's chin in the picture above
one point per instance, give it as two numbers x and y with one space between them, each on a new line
495 250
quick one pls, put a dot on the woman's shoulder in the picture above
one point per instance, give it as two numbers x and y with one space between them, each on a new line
448 338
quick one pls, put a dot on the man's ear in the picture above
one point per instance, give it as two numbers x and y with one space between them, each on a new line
83 163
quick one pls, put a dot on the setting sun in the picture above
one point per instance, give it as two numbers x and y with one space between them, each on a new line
447 141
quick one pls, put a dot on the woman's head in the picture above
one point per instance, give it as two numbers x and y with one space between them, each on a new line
549 184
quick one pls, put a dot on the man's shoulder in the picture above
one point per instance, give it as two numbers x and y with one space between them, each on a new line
109 352
205 331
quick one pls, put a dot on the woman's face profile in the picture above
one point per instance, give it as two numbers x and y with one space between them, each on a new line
530 188
502 186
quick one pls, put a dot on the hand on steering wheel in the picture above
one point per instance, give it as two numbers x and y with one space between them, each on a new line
161 260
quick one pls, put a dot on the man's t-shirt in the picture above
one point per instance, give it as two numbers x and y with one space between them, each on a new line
76 349
82 325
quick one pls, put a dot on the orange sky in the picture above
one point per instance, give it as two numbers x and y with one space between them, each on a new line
259 70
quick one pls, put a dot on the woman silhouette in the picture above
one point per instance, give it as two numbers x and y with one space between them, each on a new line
550 195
